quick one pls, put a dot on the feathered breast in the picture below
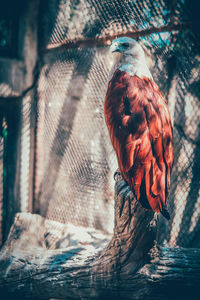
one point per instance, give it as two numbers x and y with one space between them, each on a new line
140 129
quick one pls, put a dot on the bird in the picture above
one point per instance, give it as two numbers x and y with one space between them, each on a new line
139 125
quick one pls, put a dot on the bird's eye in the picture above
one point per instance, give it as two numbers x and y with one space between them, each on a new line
125 45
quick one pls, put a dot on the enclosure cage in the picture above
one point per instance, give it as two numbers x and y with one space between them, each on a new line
56 158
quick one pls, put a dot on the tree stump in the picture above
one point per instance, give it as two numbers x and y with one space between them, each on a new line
44 259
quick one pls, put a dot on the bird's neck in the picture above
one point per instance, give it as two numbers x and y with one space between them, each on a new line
133 65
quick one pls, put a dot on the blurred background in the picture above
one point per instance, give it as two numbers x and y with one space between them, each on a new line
56 158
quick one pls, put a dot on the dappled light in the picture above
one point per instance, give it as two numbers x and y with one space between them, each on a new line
70 225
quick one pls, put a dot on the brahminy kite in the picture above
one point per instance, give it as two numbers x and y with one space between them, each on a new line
140 127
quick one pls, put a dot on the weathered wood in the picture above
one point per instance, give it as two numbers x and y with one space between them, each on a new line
134 233
45 259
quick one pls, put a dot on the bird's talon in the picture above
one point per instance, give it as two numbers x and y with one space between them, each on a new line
117 173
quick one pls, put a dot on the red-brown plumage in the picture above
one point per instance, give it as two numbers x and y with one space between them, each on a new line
140 129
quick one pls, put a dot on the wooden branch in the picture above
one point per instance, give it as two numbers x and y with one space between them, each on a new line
107 39
45 259
134 234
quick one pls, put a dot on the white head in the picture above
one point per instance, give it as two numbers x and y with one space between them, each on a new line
131 57
127 46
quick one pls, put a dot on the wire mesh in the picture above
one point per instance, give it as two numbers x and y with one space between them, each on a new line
1 184
74 158
79 161
3 173
25 144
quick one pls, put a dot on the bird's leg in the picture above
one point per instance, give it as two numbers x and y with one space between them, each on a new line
125 195
120 183
124 192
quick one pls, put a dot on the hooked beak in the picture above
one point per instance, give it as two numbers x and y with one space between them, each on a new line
114 47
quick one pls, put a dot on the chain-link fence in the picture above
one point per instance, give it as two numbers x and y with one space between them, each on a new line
75 161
